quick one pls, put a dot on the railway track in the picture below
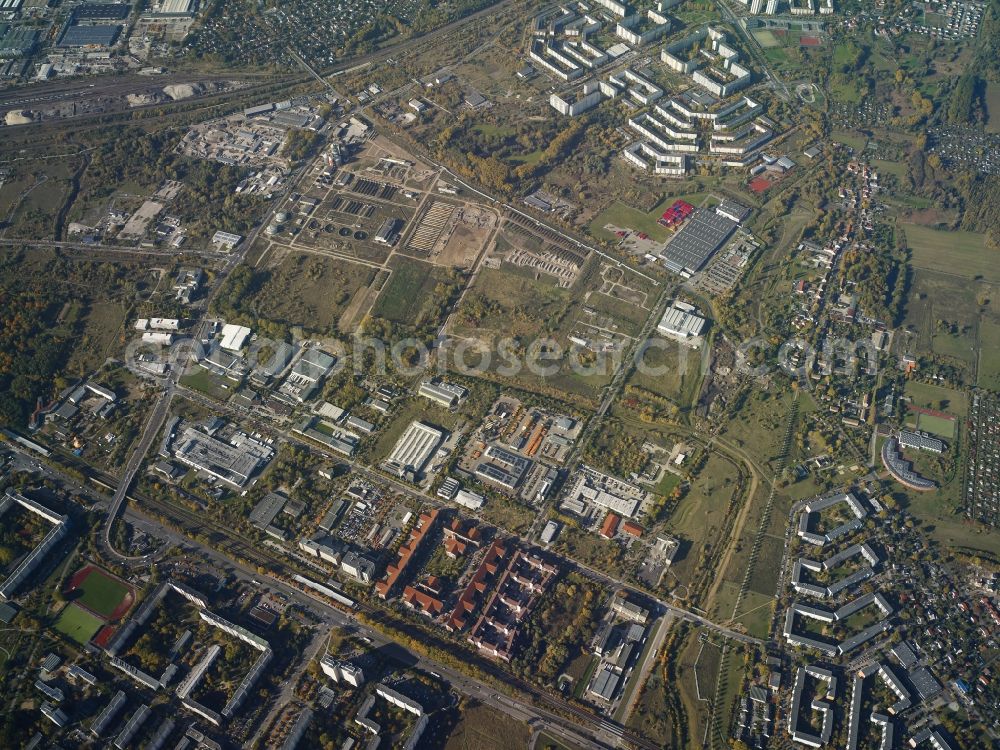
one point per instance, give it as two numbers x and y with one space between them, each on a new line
227 541
223 539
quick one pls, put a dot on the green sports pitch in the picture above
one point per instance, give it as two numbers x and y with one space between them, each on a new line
99 592
936 425
78 624
932 423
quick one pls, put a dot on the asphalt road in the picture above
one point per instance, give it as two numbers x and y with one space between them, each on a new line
159 413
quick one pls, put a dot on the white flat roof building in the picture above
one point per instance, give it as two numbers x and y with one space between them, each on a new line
226 239
679 321
470 500
414 448
234 337
232 462
442 392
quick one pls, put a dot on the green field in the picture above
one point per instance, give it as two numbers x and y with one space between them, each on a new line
937 397
842 54
896 168
776 55
850 138
78 624
765 38
626 217
102 327
988 374
516 304
411 283
958 253
630 317
935 425
673 370
101 593
945 312
993 106
305 290
699 519
849 92
757 610
958 346
200 379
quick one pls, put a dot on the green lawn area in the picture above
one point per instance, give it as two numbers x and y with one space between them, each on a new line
100 593
626 217
850 138
960 346
891 167
532 157
993 106
776 55
78 624
667 484
960 253
585 675
756 611
949 526
200 379
935 425
842 54
960 302
490 129
673 370
849 93
765 38
699 518
988 375
931 397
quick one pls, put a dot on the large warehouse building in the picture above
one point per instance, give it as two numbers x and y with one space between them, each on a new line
681 322
413 450
703 234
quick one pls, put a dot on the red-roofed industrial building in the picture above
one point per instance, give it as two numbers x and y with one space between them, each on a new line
610 526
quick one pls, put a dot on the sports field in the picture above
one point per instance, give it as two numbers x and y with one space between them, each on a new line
765 38
78 624
100 592
958 253
941 426
937 398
